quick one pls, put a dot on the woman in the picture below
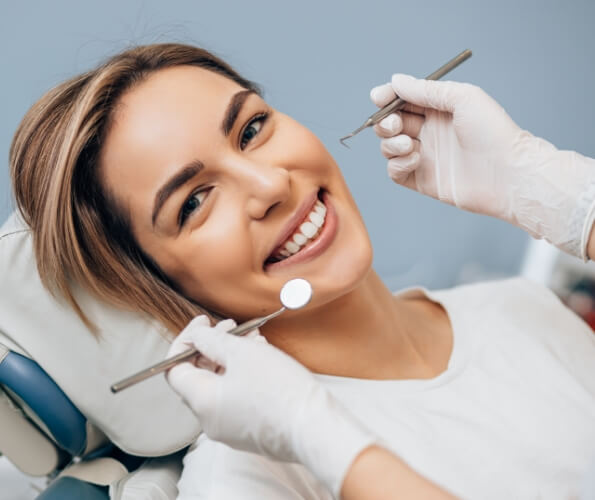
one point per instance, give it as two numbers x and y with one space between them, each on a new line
162 180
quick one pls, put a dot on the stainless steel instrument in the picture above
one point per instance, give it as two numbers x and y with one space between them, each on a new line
295 294
399 103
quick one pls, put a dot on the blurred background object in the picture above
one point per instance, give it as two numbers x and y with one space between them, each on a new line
572 280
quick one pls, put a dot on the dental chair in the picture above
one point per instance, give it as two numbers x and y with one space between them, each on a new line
44 434
58 417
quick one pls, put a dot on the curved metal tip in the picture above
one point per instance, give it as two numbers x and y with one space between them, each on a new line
367 123
343 139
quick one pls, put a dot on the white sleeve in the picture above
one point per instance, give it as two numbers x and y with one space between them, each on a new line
214 471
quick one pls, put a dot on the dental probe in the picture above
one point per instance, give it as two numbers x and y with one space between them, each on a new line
295 294
398 103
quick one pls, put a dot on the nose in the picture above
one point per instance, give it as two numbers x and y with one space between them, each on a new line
265 186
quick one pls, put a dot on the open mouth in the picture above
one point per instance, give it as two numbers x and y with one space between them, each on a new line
305 233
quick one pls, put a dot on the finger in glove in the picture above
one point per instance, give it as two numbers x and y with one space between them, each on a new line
382 95
389 126
400 169
399 145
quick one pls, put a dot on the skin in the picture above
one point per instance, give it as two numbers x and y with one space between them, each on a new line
377 474
353 326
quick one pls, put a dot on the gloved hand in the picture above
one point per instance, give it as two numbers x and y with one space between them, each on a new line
263 401
458 145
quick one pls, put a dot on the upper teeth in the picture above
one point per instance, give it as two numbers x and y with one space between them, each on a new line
305 232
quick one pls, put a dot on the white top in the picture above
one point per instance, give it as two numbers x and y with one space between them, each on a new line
513 415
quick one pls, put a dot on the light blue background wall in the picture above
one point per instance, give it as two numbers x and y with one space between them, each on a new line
317 61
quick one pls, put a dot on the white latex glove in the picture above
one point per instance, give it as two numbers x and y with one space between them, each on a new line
458 145
265 402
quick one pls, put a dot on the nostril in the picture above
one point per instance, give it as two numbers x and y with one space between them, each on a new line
271 208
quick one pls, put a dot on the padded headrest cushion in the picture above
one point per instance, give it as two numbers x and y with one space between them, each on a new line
148 419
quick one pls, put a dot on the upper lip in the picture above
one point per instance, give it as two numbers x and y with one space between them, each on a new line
292 224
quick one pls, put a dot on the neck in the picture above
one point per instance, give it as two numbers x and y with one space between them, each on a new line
362 334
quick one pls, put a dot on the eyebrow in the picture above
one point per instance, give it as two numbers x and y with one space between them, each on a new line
193 168
175 182
233 110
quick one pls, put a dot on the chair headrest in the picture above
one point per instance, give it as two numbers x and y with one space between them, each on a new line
148 419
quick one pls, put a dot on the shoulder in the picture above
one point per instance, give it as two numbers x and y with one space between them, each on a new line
517 300
517 290
214 471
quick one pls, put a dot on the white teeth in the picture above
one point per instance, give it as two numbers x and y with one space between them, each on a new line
320 208
308 229
299 238
306 232
292 247
316 219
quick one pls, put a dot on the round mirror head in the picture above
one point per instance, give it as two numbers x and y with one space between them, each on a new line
296 293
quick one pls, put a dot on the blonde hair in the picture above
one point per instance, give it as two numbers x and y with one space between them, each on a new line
79 232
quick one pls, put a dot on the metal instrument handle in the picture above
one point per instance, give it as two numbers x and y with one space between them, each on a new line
399 103
168 363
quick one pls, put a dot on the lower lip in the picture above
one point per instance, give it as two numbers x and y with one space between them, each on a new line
317 246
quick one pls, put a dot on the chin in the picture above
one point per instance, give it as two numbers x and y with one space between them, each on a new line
345 272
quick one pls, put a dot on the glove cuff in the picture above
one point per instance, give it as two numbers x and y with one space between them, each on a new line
329 438
553 195
573 236
587 206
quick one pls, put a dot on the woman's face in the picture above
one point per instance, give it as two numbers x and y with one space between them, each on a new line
221 189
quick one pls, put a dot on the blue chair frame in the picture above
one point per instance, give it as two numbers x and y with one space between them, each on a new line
66 424
34 386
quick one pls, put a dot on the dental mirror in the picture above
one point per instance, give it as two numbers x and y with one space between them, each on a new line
295 294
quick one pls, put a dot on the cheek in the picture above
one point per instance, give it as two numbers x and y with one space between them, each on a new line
212 257
215 267
298 147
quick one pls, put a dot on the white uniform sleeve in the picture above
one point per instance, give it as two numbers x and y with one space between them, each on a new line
214 471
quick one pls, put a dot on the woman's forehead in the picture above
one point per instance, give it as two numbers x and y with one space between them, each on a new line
177 89
169 112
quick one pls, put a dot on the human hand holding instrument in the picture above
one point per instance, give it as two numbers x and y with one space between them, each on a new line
461 147
266 402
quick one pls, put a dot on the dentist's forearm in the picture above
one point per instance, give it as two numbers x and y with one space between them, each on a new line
377 474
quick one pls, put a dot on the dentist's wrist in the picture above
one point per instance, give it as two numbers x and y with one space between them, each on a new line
552 194
590 236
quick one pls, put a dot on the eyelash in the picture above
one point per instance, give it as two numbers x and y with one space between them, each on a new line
183 215
262 117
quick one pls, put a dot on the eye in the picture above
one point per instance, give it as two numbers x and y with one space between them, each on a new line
252 129
191 204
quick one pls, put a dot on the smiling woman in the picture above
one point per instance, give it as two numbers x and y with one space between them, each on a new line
216 184
164 183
